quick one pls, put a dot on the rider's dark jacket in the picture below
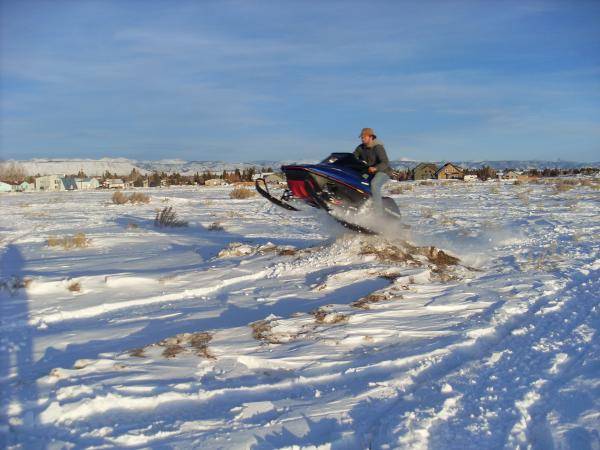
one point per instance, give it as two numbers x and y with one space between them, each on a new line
374 155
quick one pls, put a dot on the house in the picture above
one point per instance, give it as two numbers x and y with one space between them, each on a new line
511 175
114 183
5 187
424 171
87 183
471 178
215 182
69 184
449 172
50 183
23 187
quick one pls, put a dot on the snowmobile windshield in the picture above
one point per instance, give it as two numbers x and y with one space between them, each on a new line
346 161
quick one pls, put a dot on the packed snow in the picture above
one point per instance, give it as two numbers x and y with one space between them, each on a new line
471 323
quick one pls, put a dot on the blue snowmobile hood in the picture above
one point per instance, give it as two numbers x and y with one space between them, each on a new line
342 168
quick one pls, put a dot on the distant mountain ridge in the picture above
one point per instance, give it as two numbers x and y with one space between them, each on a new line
124 166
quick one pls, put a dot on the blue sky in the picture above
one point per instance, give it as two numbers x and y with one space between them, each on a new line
246 80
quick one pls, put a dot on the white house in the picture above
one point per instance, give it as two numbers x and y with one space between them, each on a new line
5 187
50 183
115 183
87 183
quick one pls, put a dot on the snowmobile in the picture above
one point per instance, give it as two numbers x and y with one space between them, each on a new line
340 185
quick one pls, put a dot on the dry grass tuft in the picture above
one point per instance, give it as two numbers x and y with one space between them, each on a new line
172 350
287 252
240 193
69 242
168 218
215 226
440 273
261 330
323 316
388 253
439 257
563 187
132 226
118 198
426 183
184 342
139 197
426 213
199 341
137 352
364 302
74 286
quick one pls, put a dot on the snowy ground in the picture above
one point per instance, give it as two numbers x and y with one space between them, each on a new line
281 329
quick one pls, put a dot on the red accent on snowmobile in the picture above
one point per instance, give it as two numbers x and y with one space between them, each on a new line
298 189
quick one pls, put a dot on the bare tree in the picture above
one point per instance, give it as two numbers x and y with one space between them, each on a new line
11 172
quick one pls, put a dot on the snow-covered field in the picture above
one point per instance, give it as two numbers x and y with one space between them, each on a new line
280 329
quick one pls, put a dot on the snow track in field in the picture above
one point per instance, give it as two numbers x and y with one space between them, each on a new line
281 330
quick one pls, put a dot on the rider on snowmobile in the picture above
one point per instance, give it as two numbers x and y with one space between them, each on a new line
372 152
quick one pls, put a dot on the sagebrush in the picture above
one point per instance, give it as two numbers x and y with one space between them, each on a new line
119 198
168 218
69 242
241 193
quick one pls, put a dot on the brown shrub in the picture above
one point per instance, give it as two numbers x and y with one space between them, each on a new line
215 226
69 242
139 197
563 187
440 258
199 341
241 193
388 253
261 330
137 352
364 302
426 213
119 198
168 218
323 316
74 286
172 350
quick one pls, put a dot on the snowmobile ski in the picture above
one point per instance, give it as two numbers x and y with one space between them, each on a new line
266 194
